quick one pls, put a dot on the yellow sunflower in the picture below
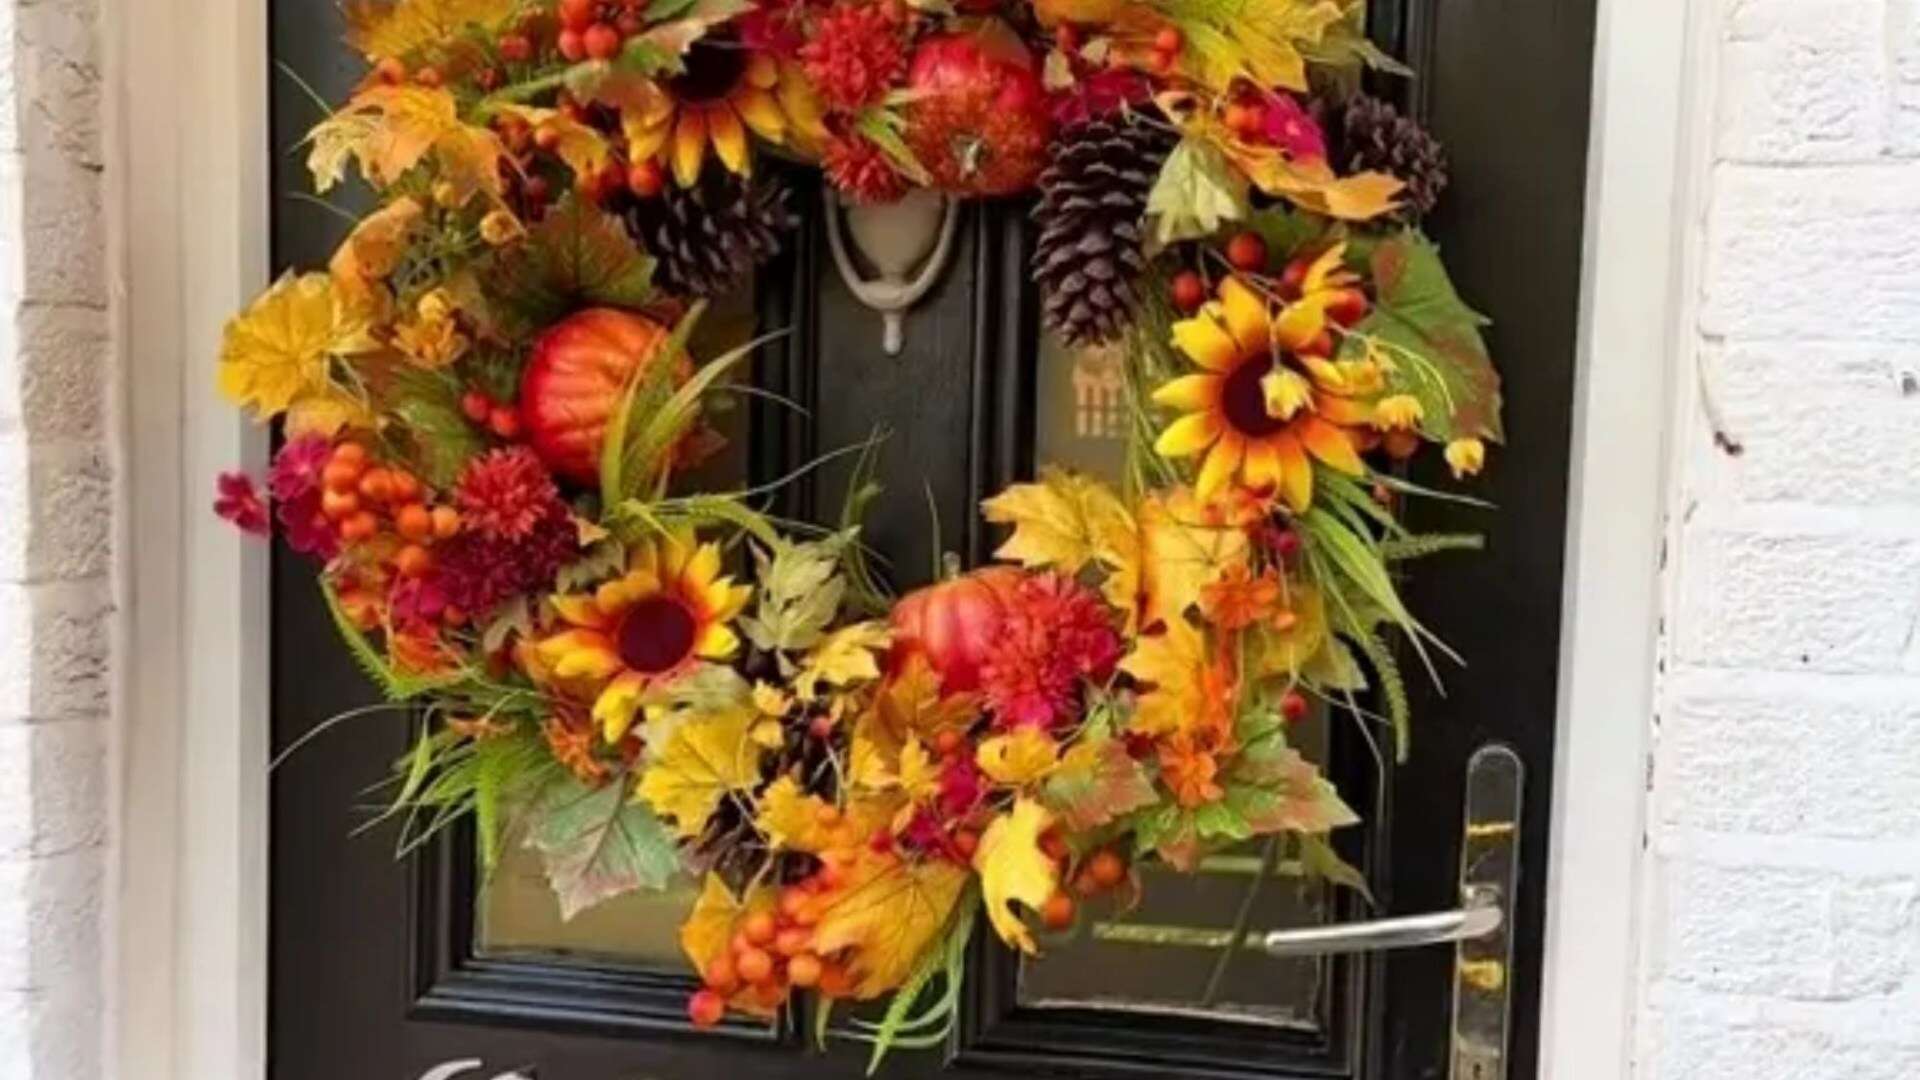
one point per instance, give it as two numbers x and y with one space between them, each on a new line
1268 395
724 91
667 612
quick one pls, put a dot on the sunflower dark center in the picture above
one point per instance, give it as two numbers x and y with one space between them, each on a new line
656 636
1245 402
713 69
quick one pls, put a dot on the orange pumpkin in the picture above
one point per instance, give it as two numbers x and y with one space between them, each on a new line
953 624
579 369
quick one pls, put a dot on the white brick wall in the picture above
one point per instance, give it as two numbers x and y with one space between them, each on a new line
1782 937
56 513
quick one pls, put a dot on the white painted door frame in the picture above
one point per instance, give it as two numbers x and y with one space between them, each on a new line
188 168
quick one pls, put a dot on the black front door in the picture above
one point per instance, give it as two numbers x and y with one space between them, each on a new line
405 968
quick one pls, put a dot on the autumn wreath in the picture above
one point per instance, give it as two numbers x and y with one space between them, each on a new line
490 411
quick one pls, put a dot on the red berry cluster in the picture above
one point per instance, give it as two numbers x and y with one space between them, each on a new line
598 29
501 419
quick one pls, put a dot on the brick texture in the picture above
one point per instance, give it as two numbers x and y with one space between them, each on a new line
1782 928
56 538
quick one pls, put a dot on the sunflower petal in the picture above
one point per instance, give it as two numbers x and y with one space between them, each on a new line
581 611
647 140
1296 481
591 663
1345 411
761 112
729 138
689 146
763 71
1263 468
703 569
1189 393
1222 462
1189 435
1331 445
1301 322
616 706
1206 342
717 643
1245 314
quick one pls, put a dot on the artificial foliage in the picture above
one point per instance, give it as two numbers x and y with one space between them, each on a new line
490 412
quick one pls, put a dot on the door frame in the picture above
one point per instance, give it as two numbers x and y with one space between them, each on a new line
188 226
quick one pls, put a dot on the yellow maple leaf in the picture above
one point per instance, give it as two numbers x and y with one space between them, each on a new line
704 759
326 414
708 930
388 130
1065 521
1286 648
919 772
398 28
1188 689
372 250
1311 185
910 703
1263 41
1013 868
887 912
583 148
791 818
848 656
1020 758
1184 546
278 350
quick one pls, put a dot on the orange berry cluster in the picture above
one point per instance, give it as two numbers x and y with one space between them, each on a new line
365 501
772 954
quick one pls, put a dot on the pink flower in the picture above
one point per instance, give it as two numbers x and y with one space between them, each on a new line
1289 127
240 504
297 467
306 529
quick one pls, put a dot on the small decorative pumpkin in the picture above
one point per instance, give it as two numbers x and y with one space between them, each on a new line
579 369
953 624
979 120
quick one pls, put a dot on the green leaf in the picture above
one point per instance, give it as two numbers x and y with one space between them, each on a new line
606 559
433 435
1290 232
883 127
1318 858
649 448
646 393
1096 783
1430 338
576 256
800 593
597 844
1197 192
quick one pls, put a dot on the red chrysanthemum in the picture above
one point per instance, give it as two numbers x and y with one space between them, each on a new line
476 572
239 503
297 467
856 52
862 170
504 494
1056 634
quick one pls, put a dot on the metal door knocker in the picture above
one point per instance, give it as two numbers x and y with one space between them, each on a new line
893 238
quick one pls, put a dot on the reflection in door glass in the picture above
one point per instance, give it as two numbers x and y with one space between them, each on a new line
1176 952
519 916
517 913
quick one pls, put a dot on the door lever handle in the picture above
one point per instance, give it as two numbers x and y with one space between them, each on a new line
1480 930
1479 916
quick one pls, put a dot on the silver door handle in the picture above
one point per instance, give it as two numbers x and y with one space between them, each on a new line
1479 917
1479 930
